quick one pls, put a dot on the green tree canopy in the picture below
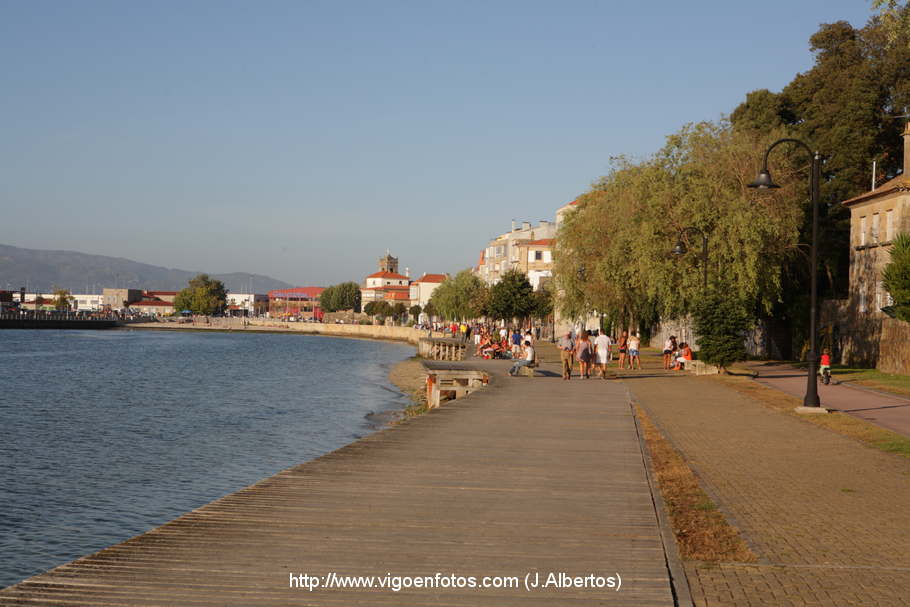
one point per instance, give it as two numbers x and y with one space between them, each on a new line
614 250
511 297
896 276
461 297
721 322
343 296
203 295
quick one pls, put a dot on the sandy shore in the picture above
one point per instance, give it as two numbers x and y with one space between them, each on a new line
409 376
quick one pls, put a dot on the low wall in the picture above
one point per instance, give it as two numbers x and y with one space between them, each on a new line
893 349
408 334
31 323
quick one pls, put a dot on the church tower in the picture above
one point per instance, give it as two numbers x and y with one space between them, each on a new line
388 263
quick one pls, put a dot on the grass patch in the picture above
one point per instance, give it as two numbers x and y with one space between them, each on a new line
702 532
842 423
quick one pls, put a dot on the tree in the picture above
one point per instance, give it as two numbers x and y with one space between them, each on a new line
542 302
348 297
511 297
896 276
721 322
614 250
398 311
62 299
895 19
328 299
343 296
429 309
461 297
203 295
414 311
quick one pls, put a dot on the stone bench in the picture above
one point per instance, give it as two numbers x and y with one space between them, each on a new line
528 370
700 367
452 383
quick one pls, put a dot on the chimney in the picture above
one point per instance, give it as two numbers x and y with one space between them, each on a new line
407 272
525 225
513 225
906 137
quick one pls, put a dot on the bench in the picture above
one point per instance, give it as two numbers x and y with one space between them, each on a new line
528 370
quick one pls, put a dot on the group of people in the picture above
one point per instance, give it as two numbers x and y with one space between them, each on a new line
595 354
502 342
676 355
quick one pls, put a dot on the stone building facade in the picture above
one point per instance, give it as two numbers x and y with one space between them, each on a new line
861 332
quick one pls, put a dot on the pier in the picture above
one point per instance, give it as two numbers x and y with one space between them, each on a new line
523 478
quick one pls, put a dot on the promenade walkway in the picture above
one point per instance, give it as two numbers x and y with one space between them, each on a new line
887 410
826 515
529 476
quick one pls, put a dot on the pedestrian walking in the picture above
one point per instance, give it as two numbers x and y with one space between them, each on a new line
566 347
584 352
623 346
602 344
634 350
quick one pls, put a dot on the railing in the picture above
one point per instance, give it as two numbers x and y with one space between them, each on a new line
441 349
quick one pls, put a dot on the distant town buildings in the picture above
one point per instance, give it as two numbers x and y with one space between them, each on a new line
528 249
300 303
388 285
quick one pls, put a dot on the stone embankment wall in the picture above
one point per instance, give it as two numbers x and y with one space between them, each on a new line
408 334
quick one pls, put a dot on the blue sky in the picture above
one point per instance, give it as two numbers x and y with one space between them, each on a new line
303 139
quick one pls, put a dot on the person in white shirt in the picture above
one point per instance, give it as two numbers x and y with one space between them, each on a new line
602 344
634 354
526 360
669 349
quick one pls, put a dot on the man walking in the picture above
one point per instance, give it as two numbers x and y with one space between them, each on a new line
566 347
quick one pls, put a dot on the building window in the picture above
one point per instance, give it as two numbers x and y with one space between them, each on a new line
874 228
889 225
862 231
538 255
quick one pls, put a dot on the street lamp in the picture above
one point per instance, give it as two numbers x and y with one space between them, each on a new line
682 249
764 182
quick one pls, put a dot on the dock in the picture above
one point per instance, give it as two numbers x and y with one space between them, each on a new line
525 478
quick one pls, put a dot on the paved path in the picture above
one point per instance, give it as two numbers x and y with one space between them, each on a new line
526 476
827 516
888 411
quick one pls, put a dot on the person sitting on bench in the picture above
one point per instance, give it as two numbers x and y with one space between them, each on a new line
526 360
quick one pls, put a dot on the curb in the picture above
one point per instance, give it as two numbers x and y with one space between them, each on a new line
679 583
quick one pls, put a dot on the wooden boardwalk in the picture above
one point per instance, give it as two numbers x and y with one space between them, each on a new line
527 476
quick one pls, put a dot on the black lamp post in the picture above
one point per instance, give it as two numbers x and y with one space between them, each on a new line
764 182
682 249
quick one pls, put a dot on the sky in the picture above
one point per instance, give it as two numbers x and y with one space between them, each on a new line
303 139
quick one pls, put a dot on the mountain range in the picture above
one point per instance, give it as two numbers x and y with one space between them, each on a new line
41 270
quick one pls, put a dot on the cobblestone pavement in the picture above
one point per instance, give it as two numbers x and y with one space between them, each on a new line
827 516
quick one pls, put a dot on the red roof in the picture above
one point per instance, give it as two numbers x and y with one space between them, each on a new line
394 295
160 293
142 304
297 292
387 275
432 278
543 242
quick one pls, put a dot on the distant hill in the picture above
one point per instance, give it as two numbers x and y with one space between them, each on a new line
42 270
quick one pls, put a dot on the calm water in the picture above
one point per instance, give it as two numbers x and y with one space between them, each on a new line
106 434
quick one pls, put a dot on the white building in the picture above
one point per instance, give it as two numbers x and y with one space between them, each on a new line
247 304
507 251
422 288
87 303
